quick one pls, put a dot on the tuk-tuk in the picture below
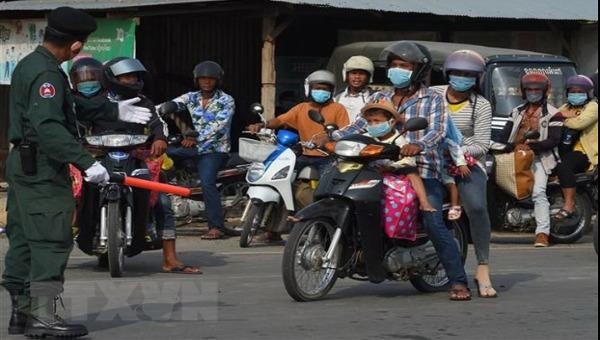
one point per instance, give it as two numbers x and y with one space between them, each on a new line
500 83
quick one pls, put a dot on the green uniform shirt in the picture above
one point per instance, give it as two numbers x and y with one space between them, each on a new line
43 108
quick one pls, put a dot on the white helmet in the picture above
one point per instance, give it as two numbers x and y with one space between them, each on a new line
319 77
358 62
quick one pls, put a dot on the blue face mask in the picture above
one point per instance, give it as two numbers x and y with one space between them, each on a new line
534 97
462 84
577 99
320 96
89 88
399 77
379 130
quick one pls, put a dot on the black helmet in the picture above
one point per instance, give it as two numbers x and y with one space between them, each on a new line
120 66
208 69
411 52
85 69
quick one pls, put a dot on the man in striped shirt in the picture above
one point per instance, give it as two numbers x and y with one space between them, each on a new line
408 66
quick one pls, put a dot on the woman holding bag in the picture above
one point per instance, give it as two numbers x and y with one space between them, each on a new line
536 114
471 113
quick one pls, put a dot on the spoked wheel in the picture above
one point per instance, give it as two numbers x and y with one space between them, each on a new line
438 281
233 200
305 275
116 239
251 223
571 229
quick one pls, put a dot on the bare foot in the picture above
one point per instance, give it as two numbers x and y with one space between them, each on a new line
482 278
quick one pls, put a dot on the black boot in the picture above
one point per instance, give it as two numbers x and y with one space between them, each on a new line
18 316
44 321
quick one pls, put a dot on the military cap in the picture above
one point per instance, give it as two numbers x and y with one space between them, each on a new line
72 22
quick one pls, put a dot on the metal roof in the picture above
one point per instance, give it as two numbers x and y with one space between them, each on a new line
514 9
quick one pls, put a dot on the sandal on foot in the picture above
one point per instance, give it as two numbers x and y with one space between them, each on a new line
213 234
487 289
454 213
459 292
188 270
562 215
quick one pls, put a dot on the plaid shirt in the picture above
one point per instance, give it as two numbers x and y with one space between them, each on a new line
425 103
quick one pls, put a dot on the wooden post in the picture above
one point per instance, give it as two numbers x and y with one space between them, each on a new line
268 74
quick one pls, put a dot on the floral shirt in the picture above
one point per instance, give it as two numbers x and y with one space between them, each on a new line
213 122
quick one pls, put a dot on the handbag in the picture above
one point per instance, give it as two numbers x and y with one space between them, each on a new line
514 174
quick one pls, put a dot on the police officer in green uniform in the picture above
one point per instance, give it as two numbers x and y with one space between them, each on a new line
40 206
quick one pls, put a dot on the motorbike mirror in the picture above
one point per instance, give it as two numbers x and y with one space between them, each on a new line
416 124
257 108
331 127
167 108
532 135
316 116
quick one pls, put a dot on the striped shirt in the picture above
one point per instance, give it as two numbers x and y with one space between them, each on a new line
474 122
424 103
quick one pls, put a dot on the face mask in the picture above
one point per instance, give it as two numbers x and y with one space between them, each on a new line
399 77
379 130
89 88
462 84
320 96
577 99
534 97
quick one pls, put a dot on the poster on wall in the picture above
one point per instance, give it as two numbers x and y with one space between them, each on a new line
18 38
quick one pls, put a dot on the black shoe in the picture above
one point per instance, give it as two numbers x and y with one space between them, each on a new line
18 319
56 327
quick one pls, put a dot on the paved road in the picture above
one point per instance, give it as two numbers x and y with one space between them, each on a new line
544 294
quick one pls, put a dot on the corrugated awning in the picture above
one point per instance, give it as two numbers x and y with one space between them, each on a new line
511 9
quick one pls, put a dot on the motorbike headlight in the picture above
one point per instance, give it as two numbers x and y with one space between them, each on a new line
255 172
94 140
281 174
138 139
116 140
348 148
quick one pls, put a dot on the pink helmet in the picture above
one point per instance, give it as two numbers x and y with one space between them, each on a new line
464 60
581 81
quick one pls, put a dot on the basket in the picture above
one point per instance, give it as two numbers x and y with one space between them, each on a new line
252 150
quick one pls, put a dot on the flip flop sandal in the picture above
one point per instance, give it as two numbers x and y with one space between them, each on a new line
486 289
454 213
182 270
562 215
213 234
459 292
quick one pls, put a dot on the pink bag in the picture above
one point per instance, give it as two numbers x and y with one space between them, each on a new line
400 208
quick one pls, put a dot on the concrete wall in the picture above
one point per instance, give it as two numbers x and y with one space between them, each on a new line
584 48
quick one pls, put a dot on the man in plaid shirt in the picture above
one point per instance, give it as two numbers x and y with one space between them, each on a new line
408 66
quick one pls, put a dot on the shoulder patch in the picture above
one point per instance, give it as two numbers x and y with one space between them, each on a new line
47 90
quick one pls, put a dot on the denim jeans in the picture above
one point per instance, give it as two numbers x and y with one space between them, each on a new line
163 217
473 195
541 205
321 163
440 236
208 167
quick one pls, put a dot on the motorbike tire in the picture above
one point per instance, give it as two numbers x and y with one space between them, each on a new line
289 262
584 208
459 231
255 213
116 247
595 235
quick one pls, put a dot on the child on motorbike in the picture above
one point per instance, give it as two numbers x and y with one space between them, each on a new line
382 118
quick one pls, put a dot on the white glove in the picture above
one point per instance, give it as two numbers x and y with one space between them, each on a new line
133 114
96 174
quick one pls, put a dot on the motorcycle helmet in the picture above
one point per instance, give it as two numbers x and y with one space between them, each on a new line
464 60
121 66
535 79
581 81
319 77
86 77
208 69
411 52
358 62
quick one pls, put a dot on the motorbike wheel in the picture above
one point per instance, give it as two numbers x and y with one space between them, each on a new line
571 235
595 234
439 282
304 277
233 200
250 225
116 243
